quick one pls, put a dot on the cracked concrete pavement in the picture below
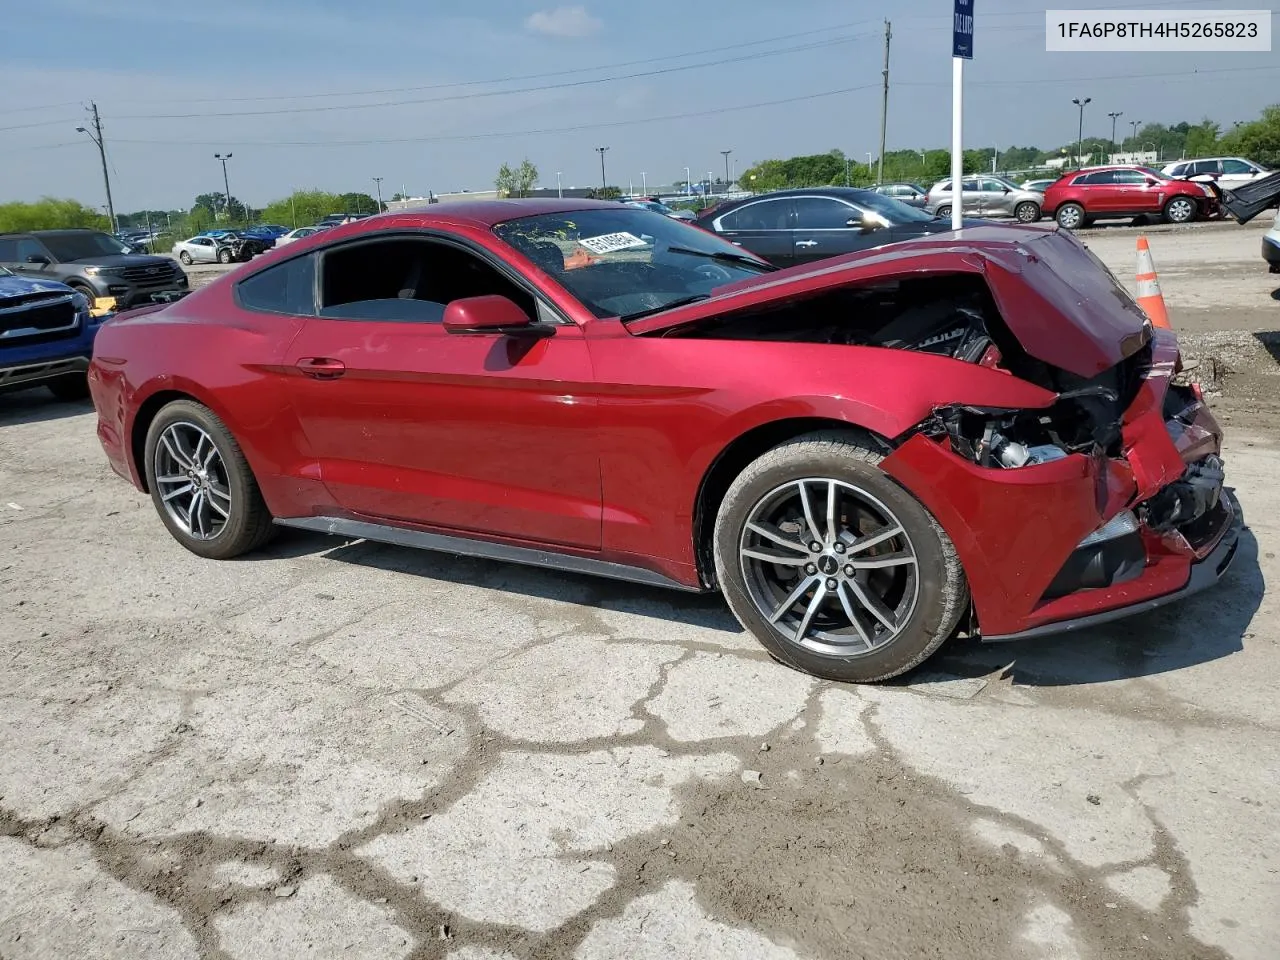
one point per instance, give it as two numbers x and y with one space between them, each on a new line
348 750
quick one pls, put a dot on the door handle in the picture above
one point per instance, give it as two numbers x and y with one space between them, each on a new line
806 243
322 368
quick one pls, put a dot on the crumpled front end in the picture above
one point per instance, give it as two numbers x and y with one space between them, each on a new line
1109 503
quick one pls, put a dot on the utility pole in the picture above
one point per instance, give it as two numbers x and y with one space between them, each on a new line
559 189
378 181
884 107
644 184
96 137
604 183
726 169
1118 113
225 185
1080 130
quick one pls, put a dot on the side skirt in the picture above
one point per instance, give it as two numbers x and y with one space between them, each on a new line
406 537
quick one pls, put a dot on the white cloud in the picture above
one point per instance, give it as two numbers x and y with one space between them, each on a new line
564 22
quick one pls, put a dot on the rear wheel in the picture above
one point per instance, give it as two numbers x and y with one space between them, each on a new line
944 213
1070 216
201 484
1180 210
835 568
1027 212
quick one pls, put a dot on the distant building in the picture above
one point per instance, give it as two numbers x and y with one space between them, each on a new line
1145 159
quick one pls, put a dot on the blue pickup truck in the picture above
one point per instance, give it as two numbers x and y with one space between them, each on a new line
46 336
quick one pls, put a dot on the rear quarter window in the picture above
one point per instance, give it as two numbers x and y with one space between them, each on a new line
287 287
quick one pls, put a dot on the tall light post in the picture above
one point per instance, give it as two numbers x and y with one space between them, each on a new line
96 136
226 186
1133 129
604 183
868 163
644 184
688 182
1113 116
725 154
559 189
1080 130
378 181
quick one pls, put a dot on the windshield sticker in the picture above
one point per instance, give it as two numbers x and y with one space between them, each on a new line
610 242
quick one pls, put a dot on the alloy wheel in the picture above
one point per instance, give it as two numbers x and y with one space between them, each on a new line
192 480
829 566
1070 217
1180 210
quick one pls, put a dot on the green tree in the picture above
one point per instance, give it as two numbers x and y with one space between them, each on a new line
305 207
517 181
1202 139
1258 140
49 213
358 203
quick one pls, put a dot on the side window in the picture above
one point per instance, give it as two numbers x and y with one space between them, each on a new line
765 215
1201 167
822 213
944 187
1236 166
8 250
1178 170
30 248
408 279
971 186
287 287
1095 179
1129 178
992 186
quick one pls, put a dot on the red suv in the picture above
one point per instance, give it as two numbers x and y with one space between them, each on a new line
1077 199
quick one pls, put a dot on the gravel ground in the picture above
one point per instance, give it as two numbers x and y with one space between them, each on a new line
344 749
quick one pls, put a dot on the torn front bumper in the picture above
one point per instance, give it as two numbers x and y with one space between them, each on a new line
1017 532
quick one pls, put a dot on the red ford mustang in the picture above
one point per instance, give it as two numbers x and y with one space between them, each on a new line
976 431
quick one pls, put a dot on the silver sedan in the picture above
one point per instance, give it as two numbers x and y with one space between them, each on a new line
202 250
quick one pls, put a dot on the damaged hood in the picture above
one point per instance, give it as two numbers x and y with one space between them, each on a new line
1058 299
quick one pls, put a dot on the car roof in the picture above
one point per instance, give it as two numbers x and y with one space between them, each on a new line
485 213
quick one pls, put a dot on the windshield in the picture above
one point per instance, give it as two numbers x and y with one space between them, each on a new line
83 246
624 261
895 211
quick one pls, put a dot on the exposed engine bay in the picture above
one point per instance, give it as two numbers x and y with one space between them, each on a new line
954 315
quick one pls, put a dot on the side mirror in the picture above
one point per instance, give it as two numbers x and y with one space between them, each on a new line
866 222
1151 182
38 258
489 314
1007 190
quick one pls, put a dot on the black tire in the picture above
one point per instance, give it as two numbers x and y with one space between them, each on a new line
1180 210
70 388
85 290
224 255
1028 211
1070 216
185 258
249 524
944 213
942 593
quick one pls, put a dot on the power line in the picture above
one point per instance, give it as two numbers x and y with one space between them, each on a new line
510 133
47 106
42 123
1181 74
496 93
516 77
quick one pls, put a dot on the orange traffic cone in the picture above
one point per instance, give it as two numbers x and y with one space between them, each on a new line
1150 299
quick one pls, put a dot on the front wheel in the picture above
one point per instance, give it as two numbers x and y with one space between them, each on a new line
1180 210
185 258
1027 212
224 256
1070 216
201 484
836 569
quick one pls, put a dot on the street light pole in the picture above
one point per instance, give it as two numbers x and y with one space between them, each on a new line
96 137
726 168
1113 116
559 189
378 181
644 184
688 182
604 183
1080 131
225 184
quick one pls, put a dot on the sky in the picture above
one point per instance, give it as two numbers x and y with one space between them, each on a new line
436 94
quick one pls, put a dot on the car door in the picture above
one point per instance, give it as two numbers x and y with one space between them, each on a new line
1102 194
1133 193
822 229
1236 173
484 433
761 226
996 199
24 250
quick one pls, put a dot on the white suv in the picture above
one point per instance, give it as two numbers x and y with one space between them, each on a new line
1271 245
1227 172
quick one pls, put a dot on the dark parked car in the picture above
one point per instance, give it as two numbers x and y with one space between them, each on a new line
94 263
46 336
800 226
976 429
